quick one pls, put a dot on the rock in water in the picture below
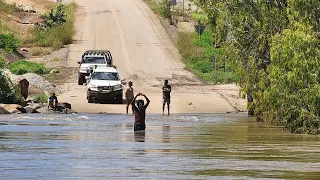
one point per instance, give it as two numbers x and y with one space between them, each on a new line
3 111
13 108
64 108
30 110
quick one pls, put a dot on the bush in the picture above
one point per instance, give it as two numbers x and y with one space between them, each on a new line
9 94
163 9
40 98
8 8
56 17
8 42
2 63
199 57
23 67
57 35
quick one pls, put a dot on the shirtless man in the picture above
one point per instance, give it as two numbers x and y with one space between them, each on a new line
166 91
129 97
140 112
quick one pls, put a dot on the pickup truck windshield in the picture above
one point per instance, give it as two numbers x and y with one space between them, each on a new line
113 76
94 60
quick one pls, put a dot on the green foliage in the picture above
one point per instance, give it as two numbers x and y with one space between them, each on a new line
23 67
162 8
274 48
40 98
8 42
6 90
8 8
200 17
53 18
186 47
2 63
57 35
295 71
9 94
199 57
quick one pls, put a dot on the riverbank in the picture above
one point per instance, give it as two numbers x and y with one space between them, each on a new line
181 35
34 48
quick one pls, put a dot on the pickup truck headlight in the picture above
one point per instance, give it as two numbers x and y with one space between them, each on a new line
84 70
118 86
93 87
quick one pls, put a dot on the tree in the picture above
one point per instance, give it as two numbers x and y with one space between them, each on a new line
262 37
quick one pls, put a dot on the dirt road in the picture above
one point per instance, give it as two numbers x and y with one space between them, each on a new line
143 53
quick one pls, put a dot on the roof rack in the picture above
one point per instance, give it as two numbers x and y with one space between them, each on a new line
106 53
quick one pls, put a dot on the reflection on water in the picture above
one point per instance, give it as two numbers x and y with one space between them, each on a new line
175 147
140 136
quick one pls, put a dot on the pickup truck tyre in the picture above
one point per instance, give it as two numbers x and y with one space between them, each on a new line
81 80
90 99
119 99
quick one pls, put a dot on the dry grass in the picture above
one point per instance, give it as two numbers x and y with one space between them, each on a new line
45 4
38 51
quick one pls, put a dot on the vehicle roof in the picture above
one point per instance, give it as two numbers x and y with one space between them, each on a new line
105 69
93 55
106 53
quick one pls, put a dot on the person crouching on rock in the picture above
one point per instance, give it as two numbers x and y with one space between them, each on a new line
53 101
140 112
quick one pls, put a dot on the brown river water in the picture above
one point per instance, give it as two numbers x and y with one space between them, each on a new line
204 146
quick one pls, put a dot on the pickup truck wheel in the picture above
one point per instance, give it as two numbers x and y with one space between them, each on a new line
119 99
81 80
90 99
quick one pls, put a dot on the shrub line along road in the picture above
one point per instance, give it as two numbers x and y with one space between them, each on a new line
142 52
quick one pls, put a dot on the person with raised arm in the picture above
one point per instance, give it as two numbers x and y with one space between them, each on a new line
140 112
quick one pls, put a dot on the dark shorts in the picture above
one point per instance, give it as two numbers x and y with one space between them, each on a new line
128 101
139 127
166 101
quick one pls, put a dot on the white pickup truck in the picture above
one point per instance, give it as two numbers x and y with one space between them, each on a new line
104 83
90 59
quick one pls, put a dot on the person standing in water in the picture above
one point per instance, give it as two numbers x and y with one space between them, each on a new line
129 96
140 112
166 91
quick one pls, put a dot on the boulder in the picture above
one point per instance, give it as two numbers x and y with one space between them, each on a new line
65 105
28 9
62 107
15 111
36 105
3 111
34 90
30 110
13 108
68 111
54 71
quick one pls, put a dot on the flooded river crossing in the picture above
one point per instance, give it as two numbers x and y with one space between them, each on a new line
218 146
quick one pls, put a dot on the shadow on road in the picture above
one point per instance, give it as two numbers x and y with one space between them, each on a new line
109 101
